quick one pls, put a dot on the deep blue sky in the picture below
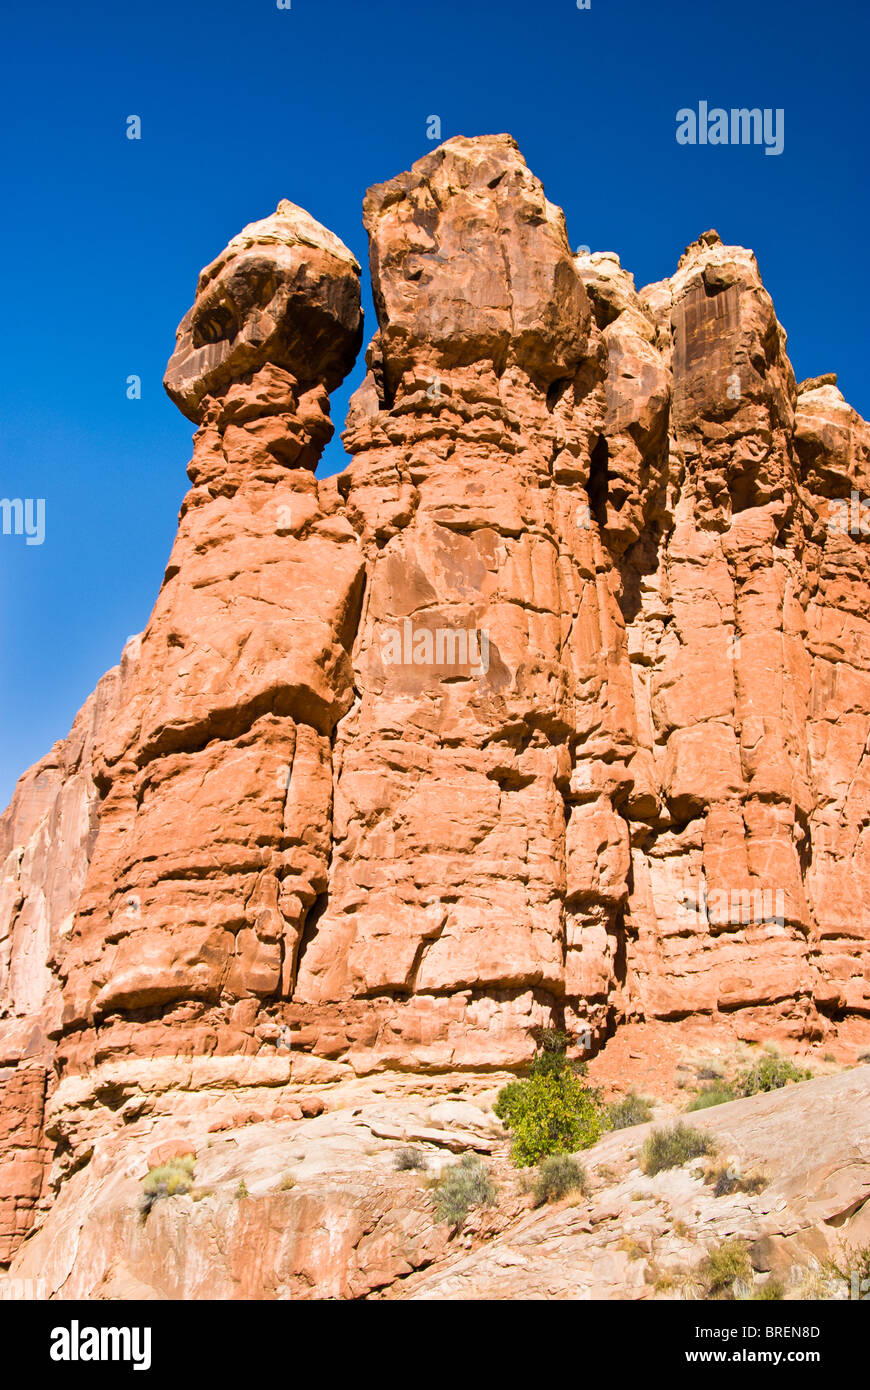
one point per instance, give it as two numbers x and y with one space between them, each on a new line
243 104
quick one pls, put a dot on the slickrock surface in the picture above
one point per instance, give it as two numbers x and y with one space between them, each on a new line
315 1208
552 708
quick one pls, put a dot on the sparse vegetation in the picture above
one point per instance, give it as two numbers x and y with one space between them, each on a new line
711 1095
724 1181
287 1183
558 1176
710 1071
632 1248
167 1180
723 1267
852 1266
663 1281
769 1074
631 1110
410 1160
464 1185
552 1112
241 1191
671 1148
770 1289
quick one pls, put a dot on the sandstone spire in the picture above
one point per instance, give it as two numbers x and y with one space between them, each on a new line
552 708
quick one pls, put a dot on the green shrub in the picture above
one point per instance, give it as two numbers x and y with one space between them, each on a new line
671 1148
553 1044
170 1179
711 1095
509 1099
772 1072
551 1113
721 1269
464 1185
409 1159
631 1110
557 1176
241 1191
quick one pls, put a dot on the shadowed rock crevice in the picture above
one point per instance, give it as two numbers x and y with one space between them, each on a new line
597 487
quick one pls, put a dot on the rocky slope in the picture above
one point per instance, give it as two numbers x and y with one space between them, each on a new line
551 708
285 1208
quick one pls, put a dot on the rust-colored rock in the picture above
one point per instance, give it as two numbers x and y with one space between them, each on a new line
551 708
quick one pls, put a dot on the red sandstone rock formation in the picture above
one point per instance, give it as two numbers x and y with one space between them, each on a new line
46 836
553 706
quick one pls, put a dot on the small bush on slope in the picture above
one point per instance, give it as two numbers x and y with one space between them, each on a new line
558 1175
631 1110
167 1180
464 1185
723 1267
711 1095
725 1180
552 1112
671 1148
772 1072
410 1160
853 1267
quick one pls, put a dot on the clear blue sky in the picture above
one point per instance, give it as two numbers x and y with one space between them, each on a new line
242 104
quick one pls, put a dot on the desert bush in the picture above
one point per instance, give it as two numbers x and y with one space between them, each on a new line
241 1191
287 1183
410 1160
553 1045
711 1095
770 1289
167 1180
724 1181
710 1071
670 1148
631 1110
769 1074
557 1176
852 1266
723 1267
464 1185
552 1112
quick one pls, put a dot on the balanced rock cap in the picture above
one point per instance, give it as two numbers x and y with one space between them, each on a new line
285 291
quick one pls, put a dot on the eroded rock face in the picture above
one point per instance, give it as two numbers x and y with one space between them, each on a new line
46 837
551 708
216 817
